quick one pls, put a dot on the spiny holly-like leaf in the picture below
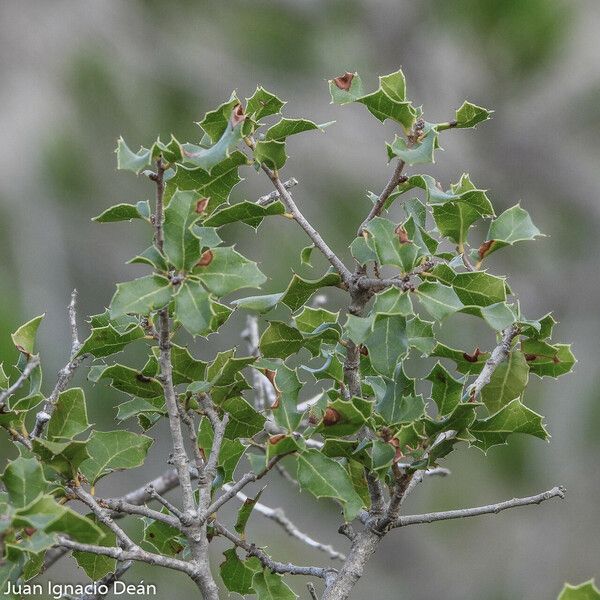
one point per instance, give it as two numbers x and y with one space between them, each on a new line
230 454
469 115
124 212
216 185
244 421
114 451
419 153
63 457
439 300
584 591
342 418
445 390
132 161
207 236
244 513
131 381
498 316
466 363
306 254
300 290
454 219
104 341
271 153
385 241
186 368
258 304
229 271
97 566
512 226
396 400
24 337
479 289
286 127
325 478
394 302
420 335
69 417
508 382
280 340
513 418
346 88
215 122
24 481
143 296
545 360
387 342
193 307
162 538
181 246
246 212
4 381
270 586
235 573
262 104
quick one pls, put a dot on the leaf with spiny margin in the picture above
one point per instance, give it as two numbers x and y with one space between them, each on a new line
141 406
397 402
63 457
446 391
193 307
508 382
244 513
306 254
208 158
351 419
479 288
300 290
546 360
420 335
244 420
246 212
258 304
186 368
512 418
287 387
263 104
325 478
127 160
546 325
181 246
383 107
124 212
69 417
280 340
361 251
97 566
352 94
4 381
498 316
416 154
271 153
512 226
454 219
229 455
358 329
469 115
24 337
162 538
229 271
143 295
237 574
463 364
225 367
439 300
24 480
393 301
270 586
217 184
583 591
387 342
104 341
208 236
286 127
132 381
114 451
215 122
385 242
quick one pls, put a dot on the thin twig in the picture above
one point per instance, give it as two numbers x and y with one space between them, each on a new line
32 363
274 195
555 492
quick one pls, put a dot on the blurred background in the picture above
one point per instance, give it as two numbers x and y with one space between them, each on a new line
76 75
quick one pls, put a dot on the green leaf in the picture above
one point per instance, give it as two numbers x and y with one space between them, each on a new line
185 367
479 289
345 89
215 121
548 361
513 418
208 158
122 212
24 481
512 226
286 127
361 251
217 184
193 308
235 573
208 236
229 455
259 304
306 254
508 382
383 107
350 419
439 300
420 153
446 391
63 457
262 104
584 591
465 363
114 451
4 381
97 566
271 153
244 421
387 342
131 381
128 160
393 301
104 341
387 246
229 271
270 586
300 290
469 115
162 538
181 246
244 513
325 478
280 340
498 316
287 387
397 402
69 417
420 335
142 295
246 212
358 329
24 337
454 219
